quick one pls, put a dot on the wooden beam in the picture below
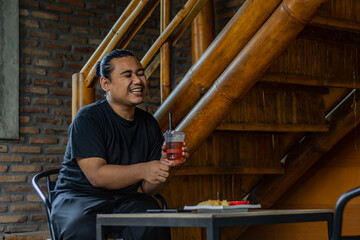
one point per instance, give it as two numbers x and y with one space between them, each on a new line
81 95
267 127
165 57
202 30
336 23
185 171
243 25
310 80
249 65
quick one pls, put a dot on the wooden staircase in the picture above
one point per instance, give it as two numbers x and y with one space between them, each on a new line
260 106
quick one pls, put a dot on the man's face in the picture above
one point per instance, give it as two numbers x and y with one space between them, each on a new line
128 82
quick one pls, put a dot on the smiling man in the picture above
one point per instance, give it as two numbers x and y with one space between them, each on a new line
115 159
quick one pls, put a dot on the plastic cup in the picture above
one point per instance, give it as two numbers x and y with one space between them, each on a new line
174 142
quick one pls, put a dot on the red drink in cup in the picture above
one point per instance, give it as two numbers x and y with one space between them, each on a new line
174 143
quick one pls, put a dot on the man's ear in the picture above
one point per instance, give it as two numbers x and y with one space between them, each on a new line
104 82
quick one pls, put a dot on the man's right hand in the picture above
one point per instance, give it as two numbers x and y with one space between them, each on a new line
157 171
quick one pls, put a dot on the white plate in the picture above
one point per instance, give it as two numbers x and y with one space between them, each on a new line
233 208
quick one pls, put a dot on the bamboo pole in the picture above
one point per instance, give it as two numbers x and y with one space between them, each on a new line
96 55
165 67
216 58
81 95
337 23
169 29
75 94
202 30
141 10
250 64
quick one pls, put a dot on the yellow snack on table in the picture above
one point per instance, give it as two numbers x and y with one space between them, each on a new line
211 202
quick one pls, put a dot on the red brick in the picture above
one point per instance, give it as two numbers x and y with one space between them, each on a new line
3 148
4 168
53 131
47 63
61 92
74 66
86 30
38 218
57 45
55 150
11 198
29 23
75 20
33 70
13 219
84 49
95 41
107 8
76 3
43 159
45 35
37 52
68 57
72 38
88 13
18 188
36 90
58 8
62 75
62 112
26 149
56 26
48 101
24 119
29 130
13 178
3 209
25 60
26 168
47 82
10 158
55 121
29 3
27 42
40 140
65 141
102 24
30 109
25 232
45 15
25 208
33 198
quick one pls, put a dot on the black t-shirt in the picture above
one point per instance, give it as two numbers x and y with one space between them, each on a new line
97 131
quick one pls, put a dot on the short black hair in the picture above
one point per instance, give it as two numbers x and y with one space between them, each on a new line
105 68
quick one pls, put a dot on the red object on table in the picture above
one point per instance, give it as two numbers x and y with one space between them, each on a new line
238 202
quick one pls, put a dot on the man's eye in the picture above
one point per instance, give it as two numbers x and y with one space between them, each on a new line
128 75
140 74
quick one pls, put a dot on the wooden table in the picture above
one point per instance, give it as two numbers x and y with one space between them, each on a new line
214 221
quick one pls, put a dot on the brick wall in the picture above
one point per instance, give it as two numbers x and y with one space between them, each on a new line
56 39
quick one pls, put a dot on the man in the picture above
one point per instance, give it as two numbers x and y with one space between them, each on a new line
114 149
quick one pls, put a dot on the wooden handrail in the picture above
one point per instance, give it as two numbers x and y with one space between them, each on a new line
251 63
142 9
96 55
243 25
190 6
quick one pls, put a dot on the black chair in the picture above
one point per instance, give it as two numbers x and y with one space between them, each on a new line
339 210
47 197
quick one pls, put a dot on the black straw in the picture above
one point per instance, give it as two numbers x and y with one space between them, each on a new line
170 121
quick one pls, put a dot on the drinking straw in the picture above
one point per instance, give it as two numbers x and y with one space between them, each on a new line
170 121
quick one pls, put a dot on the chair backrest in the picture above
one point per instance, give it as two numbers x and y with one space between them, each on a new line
339 210
46 196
